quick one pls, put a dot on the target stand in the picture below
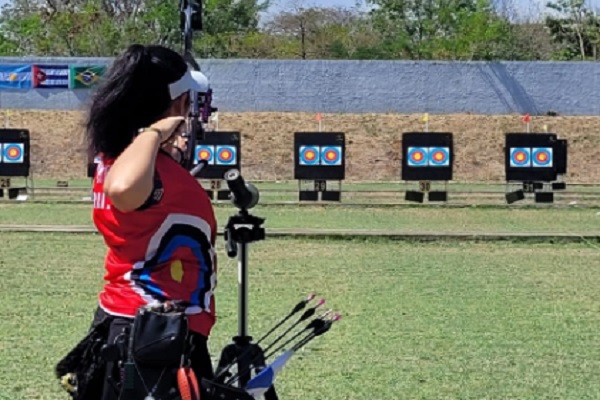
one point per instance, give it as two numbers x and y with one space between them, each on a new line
427 157
535 164
222 152
319 165
15 163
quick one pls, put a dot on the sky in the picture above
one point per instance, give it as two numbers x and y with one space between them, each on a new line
523 6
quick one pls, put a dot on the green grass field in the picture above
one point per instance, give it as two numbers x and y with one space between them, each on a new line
458 320
433 219
459 193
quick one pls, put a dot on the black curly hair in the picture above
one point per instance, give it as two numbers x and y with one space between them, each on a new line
133 94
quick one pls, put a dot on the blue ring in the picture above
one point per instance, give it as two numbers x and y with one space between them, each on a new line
515 161
443 150
338 152
538 163
413 163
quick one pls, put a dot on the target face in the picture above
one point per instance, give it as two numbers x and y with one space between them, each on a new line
439 156
417 157
226 155
331 155
309 155
13 153
204 152
520 157
542 157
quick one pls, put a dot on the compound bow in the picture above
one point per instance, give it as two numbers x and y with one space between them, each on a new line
241 385
191 20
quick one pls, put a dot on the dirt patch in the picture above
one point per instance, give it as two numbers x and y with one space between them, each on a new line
373 142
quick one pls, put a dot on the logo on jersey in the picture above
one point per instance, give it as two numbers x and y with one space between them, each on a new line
162 272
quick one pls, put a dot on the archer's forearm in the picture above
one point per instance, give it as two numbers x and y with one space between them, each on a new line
129 181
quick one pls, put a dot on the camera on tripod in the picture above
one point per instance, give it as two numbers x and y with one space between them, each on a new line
249 357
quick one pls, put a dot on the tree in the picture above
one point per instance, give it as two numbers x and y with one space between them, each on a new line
226 22
320 33
104 28
87 27
576 29
446 29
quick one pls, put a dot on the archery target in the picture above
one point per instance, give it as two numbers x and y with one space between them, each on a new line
439 156
226 155
204 152
417 157
309 155
541 157
13 153
331 155
520 157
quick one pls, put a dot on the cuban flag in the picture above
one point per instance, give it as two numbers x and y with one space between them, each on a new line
51 76
15 76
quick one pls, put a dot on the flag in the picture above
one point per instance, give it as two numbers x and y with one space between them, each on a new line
85 77
425 118
15 76
51 76
318 117
527 118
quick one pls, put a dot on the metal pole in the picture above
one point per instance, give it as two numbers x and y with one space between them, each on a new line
243 289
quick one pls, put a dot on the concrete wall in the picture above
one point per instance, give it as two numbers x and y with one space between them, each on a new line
369 87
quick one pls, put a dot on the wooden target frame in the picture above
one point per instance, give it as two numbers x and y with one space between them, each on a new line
319 165
536 164
15 162
427 158
223 150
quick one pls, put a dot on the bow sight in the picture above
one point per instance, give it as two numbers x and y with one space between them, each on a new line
190 21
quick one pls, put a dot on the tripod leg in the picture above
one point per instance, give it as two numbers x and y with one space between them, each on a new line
228 356
271 394
254 360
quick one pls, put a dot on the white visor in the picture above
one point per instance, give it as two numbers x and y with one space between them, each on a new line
191 80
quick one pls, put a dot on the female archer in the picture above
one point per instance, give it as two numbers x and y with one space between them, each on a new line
156 220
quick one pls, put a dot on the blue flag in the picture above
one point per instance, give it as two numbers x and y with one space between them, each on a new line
15 76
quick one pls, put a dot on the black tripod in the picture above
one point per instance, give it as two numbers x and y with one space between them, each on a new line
241 230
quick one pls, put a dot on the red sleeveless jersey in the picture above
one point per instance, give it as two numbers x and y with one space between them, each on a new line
163 250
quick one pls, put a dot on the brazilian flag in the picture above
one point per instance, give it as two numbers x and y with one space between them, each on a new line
85 76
